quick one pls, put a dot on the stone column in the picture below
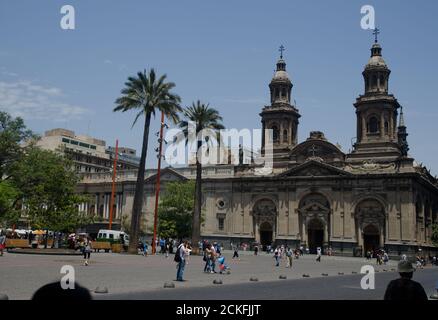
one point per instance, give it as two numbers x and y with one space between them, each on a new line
382 125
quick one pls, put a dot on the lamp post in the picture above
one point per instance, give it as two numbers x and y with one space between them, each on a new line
157 186
113 185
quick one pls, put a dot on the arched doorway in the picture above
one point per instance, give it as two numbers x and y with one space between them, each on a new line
266 233
371 238
314 219
370 219
315 235
264 218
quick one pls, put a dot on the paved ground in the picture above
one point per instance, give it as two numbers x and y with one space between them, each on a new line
22 275
345 287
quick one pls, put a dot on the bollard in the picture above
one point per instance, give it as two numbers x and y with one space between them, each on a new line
306 276
384 270
324 274
282 276
353 272
3 297
217 281
101 290
169 285
341 273
253 279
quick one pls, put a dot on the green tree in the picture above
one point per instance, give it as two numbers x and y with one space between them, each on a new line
205 118
9 196
46 182
146 94
13 133
176 210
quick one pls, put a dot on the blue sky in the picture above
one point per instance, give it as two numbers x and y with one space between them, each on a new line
221 52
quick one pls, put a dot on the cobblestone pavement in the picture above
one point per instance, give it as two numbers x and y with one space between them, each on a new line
21 275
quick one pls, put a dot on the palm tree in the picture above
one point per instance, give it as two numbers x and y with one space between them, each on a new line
146 94
205 118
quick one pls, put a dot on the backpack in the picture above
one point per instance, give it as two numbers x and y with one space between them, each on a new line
177 257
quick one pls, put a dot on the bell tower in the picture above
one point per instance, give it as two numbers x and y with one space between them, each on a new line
281 116
376 112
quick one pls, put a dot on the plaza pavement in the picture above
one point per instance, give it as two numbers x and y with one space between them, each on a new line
21 275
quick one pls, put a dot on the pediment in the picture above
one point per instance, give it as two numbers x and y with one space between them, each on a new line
166 175
314 168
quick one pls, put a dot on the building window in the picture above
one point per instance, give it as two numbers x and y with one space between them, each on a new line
386 127
373 125
221 224
275 134
285 137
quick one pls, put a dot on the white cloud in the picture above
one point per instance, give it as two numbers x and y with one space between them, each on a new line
35 102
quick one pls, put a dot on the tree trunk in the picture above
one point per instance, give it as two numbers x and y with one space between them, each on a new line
196 221
139 187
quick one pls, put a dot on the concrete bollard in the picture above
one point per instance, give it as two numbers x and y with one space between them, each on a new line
340 273
169 285
3 297
253 279
101 290
384 270
306 276
353 272
282 276
217 281
324 274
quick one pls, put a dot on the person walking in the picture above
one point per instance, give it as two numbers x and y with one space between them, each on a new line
405 288
2 242
256 250
87 250
236 252
318 254
207 258
145 249
277 257
289 255
180 258
213 257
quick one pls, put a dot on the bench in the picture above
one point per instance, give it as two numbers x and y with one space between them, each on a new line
100 245
17 243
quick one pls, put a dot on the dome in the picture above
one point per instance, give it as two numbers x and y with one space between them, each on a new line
376 61
281 75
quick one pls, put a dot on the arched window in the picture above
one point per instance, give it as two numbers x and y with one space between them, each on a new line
374 84
382 82
275 134
285 137
373 125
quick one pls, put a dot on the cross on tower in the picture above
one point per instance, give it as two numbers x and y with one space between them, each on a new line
313 149
282 48
376 32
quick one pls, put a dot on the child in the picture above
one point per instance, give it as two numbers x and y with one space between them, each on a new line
222 265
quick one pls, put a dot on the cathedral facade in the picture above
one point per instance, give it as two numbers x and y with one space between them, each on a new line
374 197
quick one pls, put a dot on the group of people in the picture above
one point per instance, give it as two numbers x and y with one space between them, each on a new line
284 253
212 254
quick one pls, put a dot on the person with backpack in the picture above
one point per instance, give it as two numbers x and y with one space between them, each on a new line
180 258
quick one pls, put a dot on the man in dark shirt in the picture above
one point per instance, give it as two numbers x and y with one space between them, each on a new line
405 288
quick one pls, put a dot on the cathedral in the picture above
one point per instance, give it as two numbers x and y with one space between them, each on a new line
374 197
